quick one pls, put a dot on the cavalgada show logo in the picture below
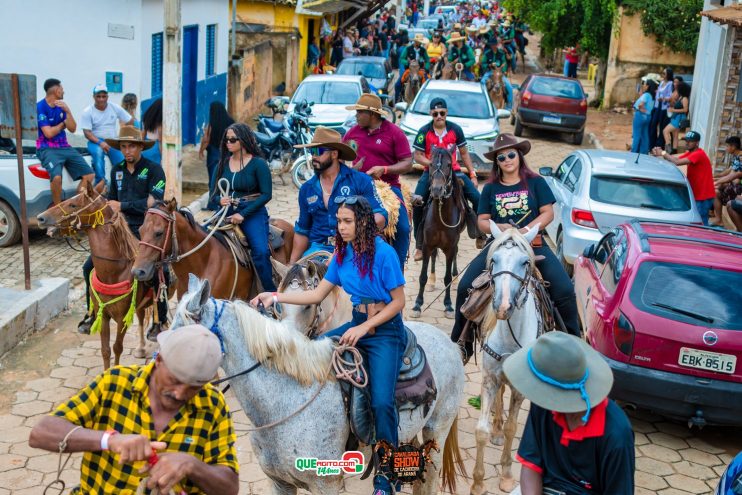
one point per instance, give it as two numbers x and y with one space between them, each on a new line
351 463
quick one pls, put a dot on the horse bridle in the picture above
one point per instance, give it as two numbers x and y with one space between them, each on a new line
435 168
522 295
169 231
315 326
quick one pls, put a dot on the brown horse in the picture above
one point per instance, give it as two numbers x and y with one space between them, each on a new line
113 248
443 223
449 72
496 89
412 86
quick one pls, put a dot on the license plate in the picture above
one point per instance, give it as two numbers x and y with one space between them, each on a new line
705 360
552 120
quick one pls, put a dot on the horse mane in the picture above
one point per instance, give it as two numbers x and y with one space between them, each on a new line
284 349
122 237
297 272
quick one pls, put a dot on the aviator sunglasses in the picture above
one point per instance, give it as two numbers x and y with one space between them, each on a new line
319 151
510 156
438 114
347 200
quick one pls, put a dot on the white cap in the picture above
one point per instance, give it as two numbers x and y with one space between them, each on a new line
100 88
192 353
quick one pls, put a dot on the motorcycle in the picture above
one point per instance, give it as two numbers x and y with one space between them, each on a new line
270 124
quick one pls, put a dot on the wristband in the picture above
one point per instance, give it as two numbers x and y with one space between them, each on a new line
104 439
664 152
275 297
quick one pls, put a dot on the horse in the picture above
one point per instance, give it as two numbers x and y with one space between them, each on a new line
113 248
496 89
307 417
314 319
448 72
514 320
412 86
436 72
443 223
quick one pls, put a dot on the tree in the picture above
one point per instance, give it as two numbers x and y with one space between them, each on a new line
675 23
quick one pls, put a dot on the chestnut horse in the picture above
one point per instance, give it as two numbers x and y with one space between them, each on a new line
496 89
169 232
113 249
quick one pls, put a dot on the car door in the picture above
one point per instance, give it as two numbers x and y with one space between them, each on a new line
593 294
561 194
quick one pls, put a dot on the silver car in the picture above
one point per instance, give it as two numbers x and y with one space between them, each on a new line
330 93
596 190
469 106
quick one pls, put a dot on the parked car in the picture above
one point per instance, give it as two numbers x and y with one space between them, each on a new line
330 94
547 101
446 10
430 24
469 105
596 190
661 302
376 70
38 193
446 21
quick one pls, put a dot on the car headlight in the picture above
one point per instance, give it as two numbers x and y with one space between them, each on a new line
407 129
489 135
350 121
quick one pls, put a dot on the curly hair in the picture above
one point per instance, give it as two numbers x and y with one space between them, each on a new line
364 245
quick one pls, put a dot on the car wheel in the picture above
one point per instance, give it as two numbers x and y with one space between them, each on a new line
578 137
512 118
10 226
391 113
518 128
560 254
301 173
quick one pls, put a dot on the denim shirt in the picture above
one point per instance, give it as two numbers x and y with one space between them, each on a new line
318 222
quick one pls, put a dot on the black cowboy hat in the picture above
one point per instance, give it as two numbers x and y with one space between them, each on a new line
506 141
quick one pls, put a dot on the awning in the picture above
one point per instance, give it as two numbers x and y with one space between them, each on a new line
332 6
731 16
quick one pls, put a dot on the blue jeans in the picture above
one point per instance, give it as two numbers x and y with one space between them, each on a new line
512 49
98 157
401 243
703 209
255 227
508 88
384 352
640 132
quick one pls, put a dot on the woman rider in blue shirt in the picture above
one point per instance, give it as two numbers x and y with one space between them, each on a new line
368 269
241 163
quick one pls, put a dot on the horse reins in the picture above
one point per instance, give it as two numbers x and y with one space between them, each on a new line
447 192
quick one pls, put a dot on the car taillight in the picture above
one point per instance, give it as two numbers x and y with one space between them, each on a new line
38 171
583 104
623 334
526 98
583 218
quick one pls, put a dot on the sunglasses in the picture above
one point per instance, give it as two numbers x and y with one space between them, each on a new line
231 140
346 200
319 151
438 114
510 156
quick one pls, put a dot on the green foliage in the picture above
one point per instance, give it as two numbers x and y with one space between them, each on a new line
675 23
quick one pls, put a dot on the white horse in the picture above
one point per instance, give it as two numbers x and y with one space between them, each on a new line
514 321
293 372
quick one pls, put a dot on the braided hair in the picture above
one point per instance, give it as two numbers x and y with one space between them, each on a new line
364 245
248 144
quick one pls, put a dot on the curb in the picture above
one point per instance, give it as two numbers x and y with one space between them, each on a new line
593 139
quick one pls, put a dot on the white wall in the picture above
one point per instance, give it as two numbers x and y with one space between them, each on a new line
73 46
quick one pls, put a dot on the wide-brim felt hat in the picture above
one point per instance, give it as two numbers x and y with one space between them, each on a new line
566 359
370 102
328 138
456 37
505 141
130 134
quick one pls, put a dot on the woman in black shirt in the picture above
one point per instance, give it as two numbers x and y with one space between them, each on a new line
516 195
250 183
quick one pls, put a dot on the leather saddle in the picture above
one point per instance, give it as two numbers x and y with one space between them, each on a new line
234 238
415 388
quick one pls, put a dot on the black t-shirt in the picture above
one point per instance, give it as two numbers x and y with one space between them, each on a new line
518 203
598 458
133 190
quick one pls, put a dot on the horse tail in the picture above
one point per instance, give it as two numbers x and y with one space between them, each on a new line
452 460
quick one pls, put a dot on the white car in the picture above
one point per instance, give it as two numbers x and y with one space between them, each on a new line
469 106
330 94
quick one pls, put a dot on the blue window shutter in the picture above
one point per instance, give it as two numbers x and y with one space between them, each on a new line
157 59
210 49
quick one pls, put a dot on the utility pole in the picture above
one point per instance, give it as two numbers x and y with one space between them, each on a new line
171 111
426 8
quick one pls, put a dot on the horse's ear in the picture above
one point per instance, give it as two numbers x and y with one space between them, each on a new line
200 290
90 190
495 230
172 204
100 188
532 232
280 268
311 269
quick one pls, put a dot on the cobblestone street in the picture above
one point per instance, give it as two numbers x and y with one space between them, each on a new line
52 365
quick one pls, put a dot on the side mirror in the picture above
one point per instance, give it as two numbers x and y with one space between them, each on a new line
545 171
588 252
503 114
401 106
390 75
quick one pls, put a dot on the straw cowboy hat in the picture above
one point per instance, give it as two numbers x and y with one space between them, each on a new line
506 141
455 37
457 26
129 134
484 30
420 38
327 138
561 373
471 29
370 102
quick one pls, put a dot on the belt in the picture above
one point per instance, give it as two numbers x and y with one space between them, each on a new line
370 309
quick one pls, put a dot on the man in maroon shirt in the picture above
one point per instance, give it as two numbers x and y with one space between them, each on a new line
700 174
384 153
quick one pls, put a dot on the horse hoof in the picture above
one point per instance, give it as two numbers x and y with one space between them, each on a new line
477 490
449 313
507 485
430 288
140 353
415 313
498 440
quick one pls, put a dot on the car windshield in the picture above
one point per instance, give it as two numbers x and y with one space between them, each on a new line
641 193
428 23
369 70
328 92
697 295
561 88
460 103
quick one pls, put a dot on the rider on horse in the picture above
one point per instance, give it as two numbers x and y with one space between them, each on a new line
386 154
516 196
507 35
251 188
367 268
445 134
413 51
495 57
133 181
461 53
316 227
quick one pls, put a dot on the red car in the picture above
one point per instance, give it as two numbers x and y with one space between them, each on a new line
662 302
550 102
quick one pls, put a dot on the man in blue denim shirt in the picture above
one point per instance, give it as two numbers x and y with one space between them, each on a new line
315 228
